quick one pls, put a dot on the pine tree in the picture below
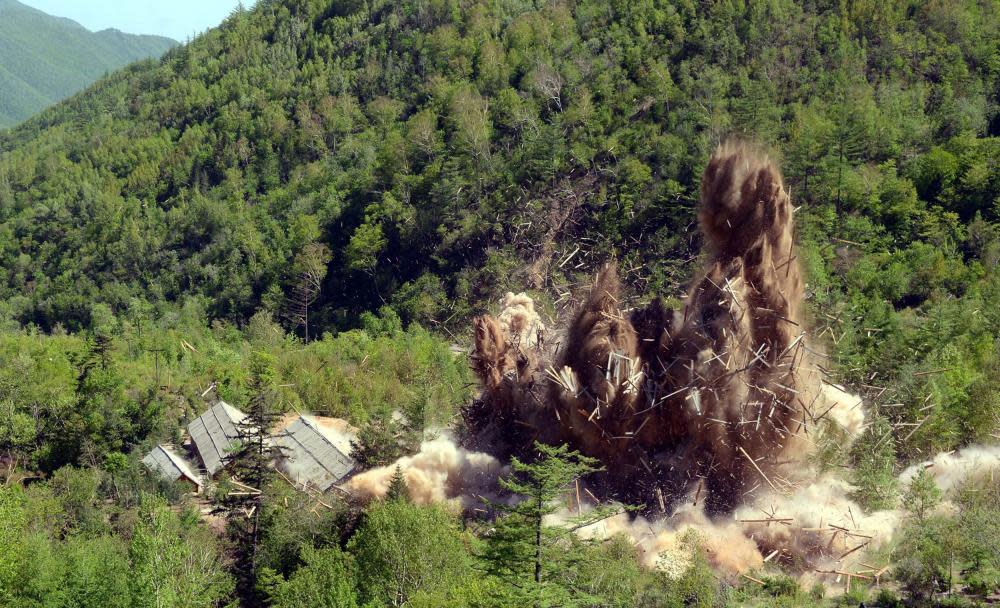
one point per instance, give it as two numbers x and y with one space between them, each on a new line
250 466
922 496
875 462
398 490
97 356
309 268
521 550
383 439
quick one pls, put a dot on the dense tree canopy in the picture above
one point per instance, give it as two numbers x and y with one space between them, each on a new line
433 145
437 153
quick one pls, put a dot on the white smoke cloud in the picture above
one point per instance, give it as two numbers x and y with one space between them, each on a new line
440 472
520 319
951 469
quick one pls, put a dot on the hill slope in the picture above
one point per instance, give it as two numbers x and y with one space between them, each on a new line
45 59
444 155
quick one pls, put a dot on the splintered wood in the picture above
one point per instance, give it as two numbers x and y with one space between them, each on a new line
752 462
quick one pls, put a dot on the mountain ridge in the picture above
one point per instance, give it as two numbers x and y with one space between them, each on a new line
45 59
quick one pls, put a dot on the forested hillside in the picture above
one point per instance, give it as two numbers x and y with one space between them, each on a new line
45 59
443 154
345 184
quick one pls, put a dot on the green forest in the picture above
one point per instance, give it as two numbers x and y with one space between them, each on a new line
304 208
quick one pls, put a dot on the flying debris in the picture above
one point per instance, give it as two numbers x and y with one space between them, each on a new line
718 394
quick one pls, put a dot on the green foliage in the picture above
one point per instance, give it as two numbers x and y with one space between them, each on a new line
874 456
353 169
925 556
922 496
397 487
92 573
408 156
888 599
308 270
781 585
525 552
941 550
383 439
59 404
49 560
291 524
415 159
699 585
173 562
414 141
13 521
77 491
325 580
401 548
978 528
251 462
818 591
611 573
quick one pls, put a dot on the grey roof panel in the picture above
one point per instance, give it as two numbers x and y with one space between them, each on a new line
169 465
311 454
214 434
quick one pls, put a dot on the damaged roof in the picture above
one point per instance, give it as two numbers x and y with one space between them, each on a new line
164 461
214 434
314 454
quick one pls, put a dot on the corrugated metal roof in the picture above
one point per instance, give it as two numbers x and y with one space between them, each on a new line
214 434
313 454
169 465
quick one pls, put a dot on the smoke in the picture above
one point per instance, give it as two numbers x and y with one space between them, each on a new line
520 321
440 472
842 408
507 346
952 469
810 528
815 528
668 544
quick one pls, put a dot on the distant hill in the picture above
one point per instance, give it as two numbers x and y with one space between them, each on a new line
45 59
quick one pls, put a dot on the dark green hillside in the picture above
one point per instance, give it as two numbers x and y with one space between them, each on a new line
45 59
443 152
415 138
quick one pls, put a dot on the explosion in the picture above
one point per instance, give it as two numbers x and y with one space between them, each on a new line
719 394
706 415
